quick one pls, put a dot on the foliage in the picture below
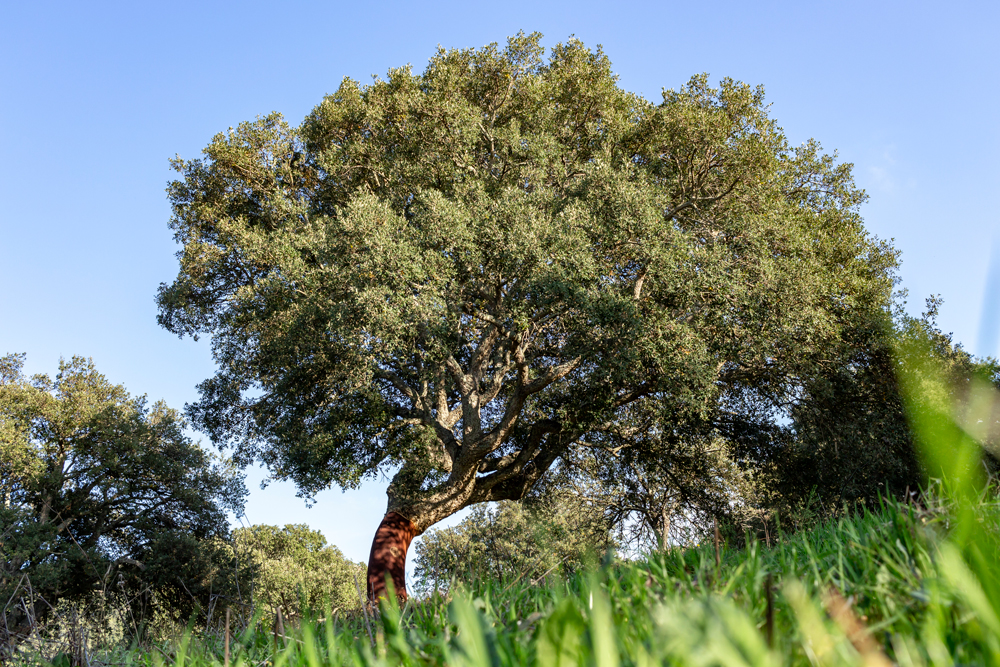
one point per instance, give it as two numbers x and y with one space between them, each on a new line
295 569
674 500
548 535
102 491
847 442
467 273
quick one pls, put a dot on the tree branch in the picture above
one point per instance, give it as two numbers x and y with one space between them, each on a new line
468 390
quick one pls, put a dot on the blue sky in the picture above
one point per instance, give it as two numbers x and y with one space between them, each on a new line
95 97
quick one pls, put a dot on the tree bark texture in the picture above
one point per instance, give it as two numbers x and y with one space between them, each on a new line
388 556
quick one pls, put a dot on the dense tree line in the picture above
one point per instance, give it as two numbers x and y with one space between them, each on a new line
293 569
107 502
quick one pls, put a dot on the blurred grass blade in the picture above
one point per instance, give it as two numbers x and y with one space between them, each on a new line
947 450
559 639
817 640
475 649
602 629
955 570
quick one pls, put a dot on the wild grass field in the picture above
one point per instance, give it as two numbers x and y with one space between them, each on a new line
909 584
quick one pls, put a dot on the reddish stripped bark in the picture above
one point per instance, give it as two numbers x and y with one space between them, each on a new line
388 555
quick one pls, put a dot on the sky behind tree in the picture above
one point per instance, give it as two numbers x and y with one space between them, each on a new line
96 97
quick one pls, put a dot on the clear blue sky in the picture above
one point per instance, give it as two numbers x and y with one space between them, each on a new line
95 97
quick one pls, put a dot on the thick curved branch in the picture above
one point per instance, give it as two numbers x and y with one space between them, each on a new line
498 434
510 464
468 390
516 485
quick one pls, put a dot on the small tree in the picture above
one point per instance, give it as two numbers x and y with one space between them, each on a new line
458 276
95 482
295 569
513 541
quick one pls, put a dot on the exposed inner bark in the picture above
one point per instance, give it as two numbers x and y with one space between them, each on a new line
388 555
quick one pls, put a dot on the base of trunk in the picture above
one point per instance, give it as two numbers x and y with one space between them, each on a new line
388 556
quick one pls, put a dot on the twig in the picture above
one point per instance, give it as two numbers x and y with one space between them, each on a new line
193 599
718 555
16 589
546 573
278 629
529 569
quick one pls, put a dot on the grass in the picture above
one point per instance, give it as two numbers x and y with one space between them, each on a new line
908 584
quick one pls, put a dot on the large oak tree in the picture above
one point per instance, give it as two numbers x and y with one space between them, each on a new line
455 276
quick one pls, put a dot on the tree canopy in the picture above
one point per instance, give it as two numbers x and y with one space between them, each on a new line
454 277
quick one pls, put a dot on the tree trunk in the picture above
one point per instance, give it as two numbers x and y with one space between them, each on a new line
388 556
664 544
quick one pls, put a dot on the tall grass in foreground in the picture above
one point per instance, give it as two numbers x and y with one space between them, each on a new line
911 584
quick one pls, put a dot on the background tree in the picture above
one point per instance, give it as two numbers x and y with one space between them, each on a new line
96 484
849 439
548 533
295 569
456 277
652 504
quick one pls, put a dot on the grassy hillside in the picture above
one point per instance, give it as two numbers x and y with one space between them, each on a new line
910 584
